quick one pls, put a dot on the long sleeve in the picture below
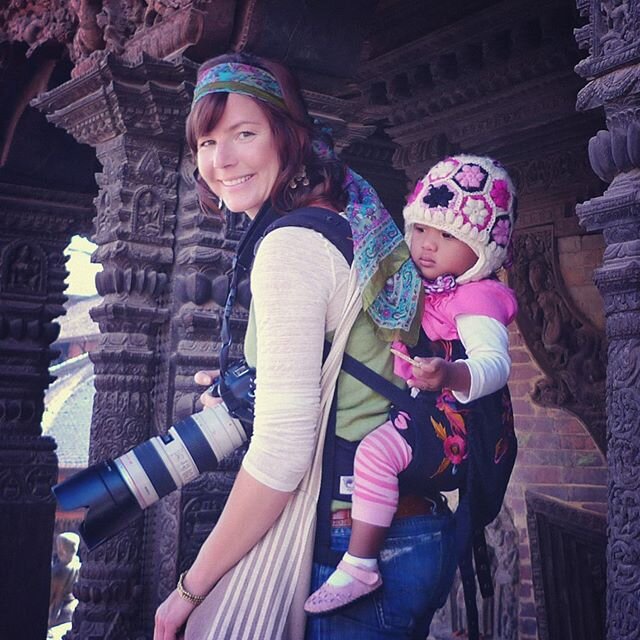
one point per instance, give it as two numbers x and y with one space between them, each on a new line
298 285
486 342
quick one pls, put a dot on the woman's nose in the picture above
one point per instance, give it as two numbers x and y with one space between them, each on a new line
223 156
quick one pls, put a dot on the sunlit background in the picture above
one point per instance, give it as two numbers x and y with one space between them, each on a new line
82 271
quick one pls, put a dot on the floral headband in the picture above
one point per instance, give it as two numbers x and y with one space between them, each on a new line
236 77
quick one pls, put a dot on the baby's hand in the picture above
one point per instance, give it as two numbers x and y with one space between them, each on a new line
429 374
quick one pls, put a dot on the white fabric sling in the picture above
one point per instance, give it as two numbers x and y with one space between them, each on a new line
263 595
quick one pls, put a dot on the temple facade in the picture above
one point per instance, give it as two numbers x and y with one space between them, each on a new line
94 97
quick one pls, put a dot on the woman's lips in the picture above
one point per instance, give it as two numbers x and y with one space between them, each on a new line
235 182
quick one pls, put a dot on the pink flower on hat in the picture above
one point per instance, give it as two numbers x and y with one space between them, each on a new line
470 175
475 210
501 232
500 194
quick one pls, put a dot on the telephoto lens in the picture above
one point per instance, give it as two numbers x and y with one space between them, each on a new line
116 491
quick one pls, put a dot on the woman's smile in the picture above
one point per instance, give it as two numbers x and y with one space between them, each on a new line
234 182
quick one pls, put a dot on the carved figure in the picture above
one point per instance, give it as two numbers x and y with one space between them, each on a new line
25 271
88 37
64 574
156 10
116 28
616 20
549 311
149 214
587 364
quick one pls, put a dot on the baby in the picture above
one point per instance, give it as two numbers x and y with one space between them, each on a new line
458 225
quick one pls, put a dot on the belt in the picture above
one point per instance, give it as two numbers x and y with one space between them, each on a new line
407 506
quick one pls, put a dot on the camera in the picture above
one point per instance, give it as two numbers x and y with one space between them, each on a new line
116 491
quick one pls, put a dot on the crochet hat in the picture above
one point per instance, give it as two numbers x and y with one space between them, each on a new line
473 199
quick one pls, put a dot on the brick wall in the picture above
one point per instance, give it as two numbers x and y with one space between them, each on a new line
557 456
578 257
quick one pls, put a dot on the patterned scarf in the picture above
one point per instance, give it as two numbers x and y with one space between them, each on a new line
390 284
391 287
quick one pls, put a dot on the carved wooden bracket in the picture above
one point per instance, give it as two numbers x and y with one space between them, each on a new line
566 345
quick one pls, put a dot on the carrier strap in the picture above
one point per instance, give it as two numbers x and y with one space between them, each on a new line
329 223
399 397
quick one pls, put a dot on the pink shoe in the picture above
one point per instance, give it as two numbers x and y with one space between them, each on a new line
329 598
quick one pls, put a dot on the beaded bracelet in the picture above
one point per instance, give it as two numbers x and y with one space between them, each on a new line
191 598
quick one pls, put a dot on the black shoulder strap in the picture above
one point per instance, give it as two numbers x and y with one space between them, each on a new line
330 224
399 397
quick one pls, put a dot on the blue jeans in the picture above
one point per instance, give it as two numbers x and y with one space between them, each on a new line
417 563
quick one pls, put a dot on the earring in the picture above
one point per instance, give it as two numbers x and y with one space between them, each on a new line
300 177
221 204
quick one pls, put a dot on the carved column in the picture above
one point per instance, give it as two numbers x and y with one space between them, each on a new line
133 114
613 68
204 245
35 227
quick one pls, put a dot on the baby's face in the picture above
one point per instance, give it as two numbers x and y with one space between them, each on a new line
437 253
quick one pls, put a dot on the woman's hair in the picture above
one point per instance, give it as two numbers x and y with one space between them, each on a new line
293 131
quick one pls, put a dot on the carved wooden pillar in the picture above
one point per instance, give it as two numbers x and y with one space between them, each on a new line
204 245
613 68
35 227
133 114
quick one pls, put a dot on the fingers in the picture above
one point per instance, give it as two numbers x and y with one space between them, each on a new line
209 401
206 377
158 627
170 618
427 374
426 365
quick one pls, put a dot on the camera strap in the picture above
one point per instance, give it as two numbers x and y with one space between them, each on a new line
240 269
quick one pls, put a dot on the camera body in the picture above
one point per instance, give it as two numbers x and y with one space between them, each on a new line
237 388
116 491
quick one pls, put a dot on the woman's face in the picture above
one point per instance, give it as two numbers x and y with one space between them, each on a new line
238 158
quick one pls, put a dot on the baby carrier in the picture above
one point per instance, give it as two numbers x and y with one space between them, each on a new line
471 449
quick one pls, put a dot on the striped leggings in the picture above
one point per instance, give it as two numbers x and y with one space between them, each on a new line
380 457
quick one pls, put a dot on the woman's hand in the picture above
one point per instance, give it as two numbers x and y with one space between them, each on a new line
171 616
207 378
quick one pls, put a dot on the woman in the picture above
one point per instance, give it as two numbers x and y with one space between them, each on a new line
257 151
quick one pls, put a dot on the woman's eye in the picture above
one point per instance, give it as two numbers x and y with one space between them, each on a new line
244 135
206 143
